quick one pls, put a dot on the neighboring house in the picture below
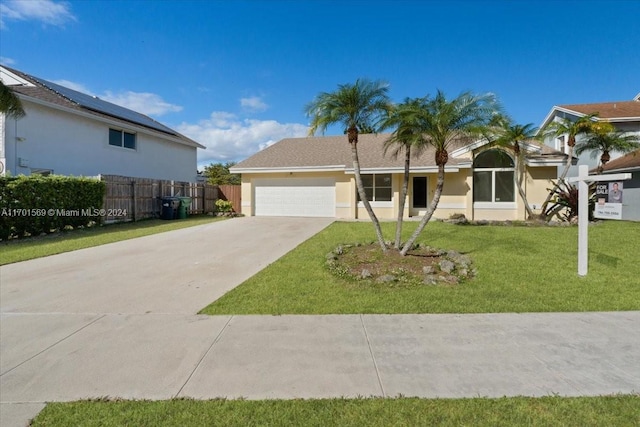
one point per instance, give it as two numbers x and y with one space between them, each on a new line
67 132
314 176
624 115
631 187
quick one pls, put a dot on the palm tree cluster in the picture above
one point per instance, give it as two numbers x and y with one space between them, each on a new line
418 123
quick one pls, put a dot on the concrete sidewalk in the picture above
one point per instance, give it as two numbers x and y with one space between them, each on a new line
118 320
160 356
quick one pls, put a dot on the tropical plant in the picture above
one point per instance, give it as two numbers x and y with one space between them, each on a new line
605 141
564 203
406 118
9 103
444 121
360 107
511 136
571 129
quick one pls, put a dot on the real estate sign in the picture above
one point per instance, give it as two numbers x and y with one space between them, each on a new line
608 200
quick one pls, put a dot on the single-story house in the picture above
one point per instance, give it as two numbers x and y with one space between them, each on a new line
623 115
629 163
314 176
67 132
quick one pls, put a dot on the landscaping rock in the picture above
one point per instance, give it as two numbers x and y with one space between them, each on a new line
428 269
365 274
430 279
387 278
447 266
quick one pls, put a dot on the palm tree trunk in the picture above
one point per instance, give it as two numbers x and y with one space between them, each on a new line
403 197
363 196
428 214
561 179
518 180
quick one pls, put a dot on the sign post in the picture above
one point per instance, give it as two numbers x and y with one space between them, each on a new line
583 180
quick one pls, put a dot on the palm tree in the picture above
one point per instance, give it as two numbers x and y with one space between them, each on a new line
605 142
511 136
443 122
9 103
360 107
571 129
406 118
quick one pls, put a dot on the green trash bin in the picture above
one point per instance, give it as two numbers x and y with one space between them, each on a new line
185 202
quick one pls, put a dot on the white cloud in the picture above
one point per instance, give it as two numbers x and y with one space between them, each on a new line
45 11
253 104
7 61
142 102
229 138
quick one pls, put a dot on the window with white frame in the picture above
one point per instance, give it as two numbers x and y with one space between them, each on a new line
493 173
561 143
120 138
377 187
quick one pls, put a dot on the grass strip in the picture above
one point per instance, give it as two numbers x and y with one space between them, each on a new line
520 269
616 410
37 247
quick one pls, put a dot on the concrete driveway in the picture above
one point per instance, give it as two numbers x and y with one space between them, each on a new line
175 272
122 304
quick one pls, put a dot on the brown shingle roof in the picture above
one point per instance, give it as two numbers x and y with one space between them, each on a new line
325 151
608 110
628 161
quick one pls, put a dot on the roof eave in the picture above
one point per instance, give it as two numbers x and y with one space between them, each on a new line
287 169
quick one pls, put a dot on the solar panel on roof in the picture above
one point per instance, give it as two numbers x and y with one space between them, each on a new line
104 107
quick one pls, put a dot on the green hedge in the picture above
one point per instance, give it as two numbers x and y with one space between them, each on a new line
32 205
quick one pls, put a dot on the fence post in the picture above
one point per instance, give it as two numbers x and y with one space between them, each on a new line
134 201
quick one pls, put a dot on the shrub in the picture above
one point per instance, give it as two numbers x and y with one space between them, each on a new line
32 205
224 206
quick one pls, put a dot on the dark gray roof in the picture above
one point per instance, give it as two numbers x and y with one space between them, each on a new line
63 96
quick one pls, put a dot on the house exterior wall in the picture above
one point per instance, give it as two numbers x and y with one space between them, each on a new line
69 144
456 198
631 198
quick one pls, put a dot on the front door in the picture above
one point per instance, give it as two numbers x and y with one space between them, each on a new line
419 196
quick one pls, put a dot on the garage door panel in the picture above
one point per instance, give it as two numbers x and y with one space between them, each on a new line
295 197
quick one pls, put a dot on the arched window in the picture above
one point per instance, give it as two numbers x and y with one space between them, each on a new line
493 182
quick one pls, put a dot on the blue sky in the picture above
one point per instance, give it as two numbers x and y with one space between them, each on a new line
236 75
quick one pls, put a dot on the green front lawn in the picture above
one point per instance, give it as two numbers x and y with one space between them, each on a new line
66 241
519 411
520 269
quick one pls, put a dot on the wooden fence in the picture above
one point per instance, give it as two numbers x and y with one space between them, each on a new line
133 199
232 194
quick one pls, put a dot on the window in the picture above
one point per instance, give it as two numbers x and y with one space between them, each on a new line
561 143
377 187
493 178
121 138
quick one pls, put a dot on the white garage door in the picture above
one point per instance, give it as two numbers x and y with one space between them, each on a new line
295 197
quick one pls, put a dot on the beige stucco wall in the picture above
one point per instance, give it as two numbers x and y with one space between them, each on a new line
456 198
